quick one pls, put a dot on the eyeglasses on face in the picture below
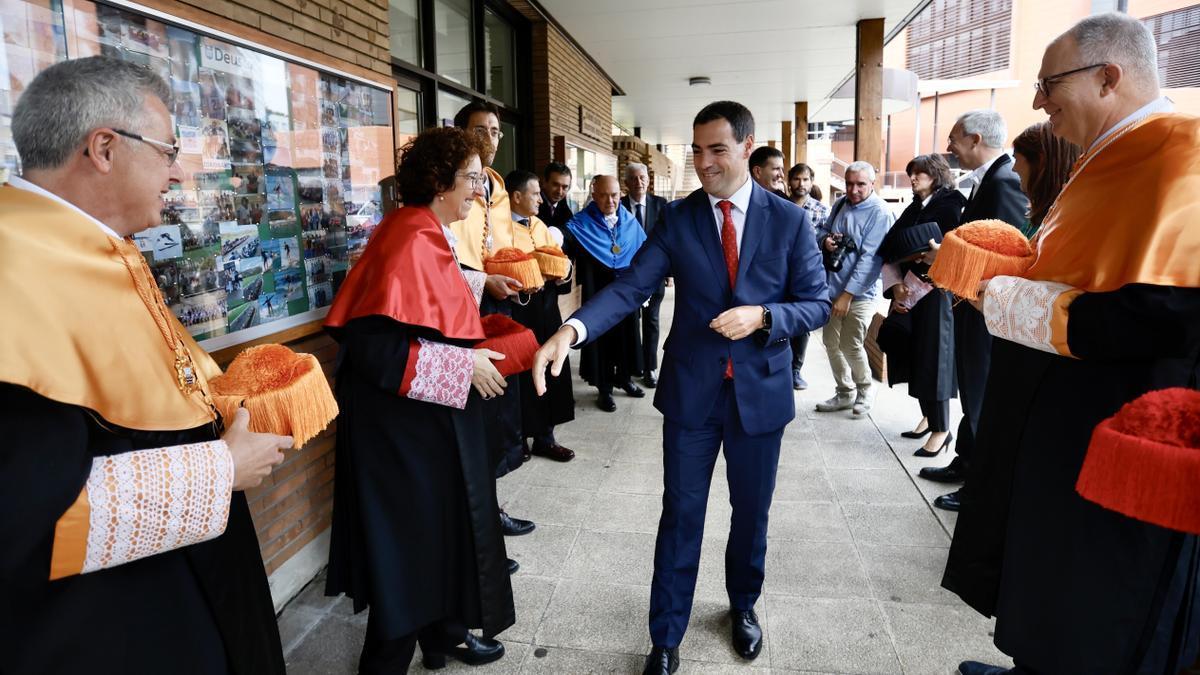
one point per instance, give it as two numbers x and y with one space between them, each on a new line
484 131
171 152
475 179
1042 86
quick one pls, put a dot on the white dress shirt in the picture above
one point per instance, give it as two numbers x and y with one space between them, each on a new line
981 171
22 184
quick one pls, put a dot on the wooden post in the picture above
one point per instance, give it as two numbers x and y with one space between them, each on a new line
801 125
868 95
770 144
786 142
560 149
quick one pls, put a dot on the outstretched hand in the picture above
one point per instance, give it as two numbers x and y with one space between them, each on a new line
553 354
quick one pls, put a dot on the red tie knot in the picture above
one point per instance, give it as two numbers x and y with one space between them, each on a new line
726 207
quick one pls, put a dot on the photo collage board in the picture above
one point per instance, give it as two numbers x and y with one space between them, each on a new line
281 167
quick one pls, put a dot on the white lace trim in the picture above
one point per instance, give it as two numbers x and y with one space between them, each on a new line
1022 311
476 280
151 501
443 374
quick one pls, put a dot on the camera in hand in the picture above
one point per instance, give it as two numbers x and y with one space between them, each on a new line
842 246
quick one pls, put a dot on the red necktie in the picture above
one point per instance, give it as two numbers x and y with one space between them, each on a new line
730 247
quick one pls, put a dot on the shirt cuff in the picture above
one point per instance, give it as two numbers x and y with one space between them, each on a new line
438 373
1030 313
580 331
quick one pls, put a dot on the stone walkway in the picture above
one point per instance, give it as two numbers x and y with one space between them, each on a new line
854 558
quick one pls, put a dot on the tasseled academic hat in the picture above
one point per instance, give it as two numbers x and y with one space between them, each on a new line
516 342
553 263
286 393
1144 462
517 264
980 250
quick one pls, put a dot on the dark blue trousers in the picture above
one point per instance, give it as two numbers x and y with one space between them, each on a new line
688 459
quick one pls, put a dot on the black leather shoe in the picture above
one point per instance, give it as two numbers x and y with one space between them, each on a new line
513 566
633 390
943 474
650 380
515 527
950 502
747 634
977 668
475 652
662 661
606 402
555 452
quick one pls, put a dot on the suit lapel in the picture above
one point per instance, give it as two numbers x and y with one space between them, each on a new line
1000 161
706 234
752 232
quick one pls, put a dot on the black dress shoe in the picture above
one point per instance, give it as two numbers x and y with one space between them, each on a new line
475 652
950 502
650 381
747 634
943 474
555 452
977 668
662 661
515 527
513 566
922 452
606 402
633 390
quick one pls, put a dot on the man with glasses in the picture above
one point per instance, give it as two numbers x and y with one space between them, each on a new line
485 230
128 544
1109 310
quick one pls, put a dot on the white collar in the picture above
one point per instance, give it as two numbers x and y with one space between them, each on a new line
740 199
982 169
1161 104
925 202
22 184
611 221
642 201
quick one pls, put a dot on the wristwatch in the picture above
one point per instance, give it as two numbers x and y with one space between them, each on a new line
766 319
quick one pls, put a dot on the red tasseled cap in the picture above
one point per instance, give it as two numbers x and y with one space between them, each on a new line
516 342
285 392
979 250
1144 461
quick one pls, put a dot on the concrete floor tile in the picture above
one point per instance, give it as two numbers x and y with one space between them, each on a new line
508 490
531 595
542 552
553 506
936 638
804 454
874 486
638 450
842 426
559 661
897 524
816 570
794 484
863 454
577 473
809 521
613 512
294 625
688 667
645 479
597 617
611 557
907 573
840 636
708 638
331 648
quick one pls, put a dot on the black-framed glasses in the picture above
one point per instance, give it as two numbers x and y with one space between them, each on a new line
475 179
1042 86
170 151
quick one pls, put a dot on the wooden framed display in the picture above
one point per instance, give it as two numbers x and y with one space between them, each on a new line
282 160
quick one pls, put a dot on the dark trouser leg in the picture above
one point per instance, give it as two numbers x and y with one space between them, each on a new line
650 330
799 347
442 635
382 656
936 413
545 439
972 359
688 459
751 463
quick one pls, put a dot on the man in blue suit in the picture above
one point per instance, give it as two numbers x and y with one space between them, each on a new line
748 278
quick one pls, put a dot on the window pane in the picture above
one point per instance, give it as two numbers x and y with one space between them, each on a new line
499 58
448 105
408 118
452 22
506 154
404 26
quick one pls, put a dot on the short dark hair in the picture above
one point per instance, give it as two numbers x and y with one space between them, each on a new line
555 167
935 166
464 114
429 162
735 113
518 179
799 168
760 156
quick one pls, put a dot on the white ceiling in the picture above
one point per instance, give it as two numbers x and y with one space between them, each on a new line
766 54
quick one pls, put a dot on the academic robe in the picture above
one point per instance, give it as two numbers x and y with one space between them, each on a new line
416 530
1096 322
617 355
125 548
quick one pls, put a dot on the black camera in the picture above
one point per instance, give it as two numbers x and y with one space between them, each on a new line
842 246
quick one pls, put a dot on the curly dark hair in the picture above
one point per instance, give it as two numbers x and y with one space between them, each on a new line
429 161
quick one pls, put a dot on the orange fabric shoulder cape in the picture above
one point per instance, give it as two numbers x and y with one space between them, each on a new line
76 329
495 218
1129 215
408 273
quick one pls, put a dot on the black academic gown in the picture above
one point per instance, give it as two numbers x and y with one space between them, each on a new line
926 359
202 609
416 531
617 355
558 216
540 414
1077 588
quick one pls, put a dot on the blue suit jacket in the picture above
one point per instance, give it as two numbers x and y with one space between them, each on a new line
778 266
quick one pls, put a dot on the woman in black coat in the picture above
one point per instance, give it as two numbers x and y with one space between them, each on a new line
926 359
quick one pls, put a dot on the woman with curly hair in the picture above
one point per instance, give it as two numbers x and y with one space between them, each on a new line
1043 161
416 530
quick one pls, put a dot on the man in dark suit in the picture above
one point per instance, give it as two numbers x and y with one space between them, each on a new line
977 140
748 278
649 210
556 208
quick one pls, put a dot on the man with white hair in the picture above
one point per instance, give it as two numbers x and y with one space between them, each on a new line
849 240
977 140
1109 310
649 210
